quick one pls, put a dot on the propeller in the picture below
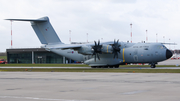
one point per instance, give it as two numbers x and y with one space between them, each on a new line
116 48
97 50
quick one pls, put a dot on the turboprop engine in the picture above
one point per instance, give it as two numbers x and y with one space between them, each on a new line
101 49
86 50
107 49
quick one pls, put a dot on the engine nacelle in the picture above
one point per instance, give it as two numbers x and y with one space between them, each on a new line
107 49
86 50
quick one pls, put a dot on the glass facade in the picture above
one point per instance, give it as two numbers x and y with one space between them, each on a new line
19 58
39 56
47 57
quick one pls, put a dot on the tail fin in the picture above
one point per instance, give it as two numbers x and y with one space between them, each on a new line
43 30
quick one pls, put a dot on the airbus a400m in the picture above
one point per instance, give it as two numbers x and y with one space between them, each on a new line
106 54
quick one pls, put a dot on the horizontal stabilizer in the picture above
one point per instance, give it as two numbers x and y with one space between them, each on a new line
44 19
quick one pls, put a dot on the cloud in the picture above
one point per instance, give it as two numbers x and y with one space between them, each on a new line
124 1
107 19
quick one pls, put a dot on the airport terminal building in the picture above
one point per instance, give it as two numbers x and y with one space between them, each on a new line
35 55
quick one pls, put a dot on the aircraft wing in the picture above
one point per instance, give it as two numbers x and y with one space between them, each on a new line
74 46
65 46
68 46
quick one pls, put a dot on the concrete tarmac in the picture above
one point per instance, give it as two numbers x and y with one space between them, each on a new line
170 62
58 86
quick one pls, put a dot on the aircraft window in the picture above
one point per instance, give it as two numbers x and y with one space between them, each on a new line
145 48
162 47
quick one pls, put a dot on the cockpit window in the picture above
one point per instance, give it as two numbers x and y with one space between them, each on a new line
161 47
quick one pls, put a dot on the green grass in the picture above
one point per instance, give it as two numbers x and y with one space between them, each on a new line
89 70
3 57
43 65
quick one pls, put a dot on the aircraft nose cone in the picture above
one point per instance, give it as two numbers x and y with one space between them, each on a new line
168 54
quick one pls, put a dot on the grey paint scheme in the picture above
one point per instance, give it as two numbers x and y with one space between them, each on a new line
145 53
130 52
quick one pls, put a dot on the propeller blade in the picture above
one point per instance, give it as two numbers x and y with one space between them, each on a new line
94 53
116 48
117 55
95 43
114 56
98 56
97 49
95 58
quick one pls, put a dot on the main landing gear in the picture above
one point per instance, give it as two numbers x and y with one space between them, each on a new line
153 65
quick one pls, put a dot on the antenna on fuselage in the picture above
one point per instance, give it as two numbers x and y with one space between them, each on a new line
131 32
156 38
70 36
87 37
146 35
164 39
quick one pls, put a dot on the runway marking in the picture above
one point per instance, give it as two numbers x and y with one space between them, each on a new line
134 92
35 98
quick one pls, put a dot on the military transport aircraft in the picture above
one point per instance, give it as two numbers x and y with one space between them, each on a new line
106 54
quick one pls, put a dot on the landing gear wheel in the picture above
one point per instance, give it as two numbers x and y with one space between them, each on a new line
93 66
116 66
105 67
153 66
110 66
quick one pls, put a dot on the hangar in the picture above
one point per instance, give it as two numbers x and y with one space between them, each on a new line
35 55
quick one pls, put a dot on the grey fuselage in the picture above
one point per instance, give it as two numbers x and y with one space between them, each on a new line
130 53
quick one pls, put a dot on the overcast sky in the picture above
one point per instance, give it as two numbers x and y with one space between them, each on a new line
101 19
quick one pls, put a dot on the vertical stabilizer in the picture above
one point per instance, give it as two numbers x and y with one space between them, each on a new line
43 30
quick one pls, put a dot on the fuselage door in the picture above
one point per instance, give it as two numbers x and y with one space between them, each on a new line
135 58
